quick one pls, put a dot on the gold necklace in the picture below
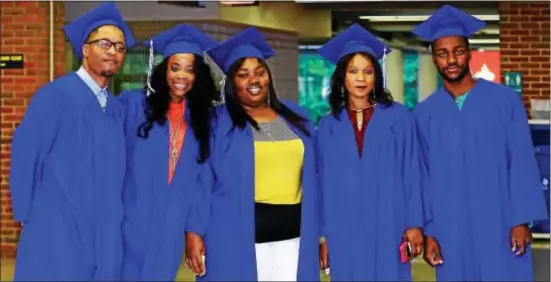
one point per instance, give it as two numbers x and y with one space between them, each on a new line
360 115
174 150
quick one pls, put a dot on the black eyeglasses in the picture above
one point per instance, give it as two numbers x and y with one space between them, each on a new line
106 45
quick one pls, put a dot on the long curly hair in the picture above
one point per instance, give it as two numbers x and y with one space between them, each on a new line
200 97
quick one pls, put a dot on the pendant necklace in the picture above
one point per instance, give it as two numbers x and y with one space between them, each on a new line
174 149
360 115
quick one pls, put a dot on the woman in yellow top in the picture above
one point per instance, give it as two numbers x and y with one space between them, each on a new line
263 206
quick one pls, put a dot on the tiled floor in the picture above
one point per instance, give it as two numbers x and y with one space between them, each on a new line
420 270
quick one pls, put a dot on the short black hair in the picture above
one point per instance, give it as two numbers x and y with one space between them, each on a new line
95 30
467 44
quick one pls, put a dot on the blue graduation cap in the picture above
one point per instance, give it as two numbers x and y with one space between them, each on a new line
181 39
106 14
248 43
448 21
352 40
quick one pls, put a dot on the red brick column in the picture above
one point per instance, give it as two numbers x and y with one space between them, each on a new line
524 45
25 30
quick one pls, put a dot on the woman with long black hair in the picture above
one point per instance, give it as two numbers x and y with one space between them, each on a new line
369 168
168 131
260 216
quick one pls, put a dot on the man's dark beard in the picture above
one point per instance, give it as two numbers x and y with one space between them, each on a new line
460 77
107 74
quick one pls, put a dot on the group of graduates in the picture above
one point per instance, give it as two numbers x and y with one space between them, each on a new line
243 185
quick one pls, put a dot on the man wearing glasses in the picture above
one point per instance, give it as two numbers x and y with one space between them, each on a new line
68 162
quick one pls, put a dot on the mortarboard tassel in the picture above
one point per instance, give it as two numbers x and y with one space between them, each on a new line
222 92
384 68
150 89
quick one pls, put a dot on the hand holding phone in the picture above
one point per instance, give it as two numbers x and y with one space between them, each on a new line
327 271
405 252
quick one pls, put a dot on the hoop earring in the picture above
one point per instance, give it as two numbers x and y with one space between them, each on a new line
268 99
342 92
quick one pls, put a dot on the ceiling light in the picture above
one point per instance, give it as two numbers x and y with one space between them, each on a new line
309 47
494 31
483 41
239 3
419 18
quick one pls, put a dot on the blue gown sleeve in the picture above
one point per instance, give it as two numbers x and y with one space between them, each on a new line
31 143
108 239
109 209
412 171
200 206
199 214
132 101
317 162
428 229
527 201
319 171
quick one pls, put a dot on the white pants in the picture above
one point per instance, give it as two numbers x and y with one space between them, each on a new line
277 261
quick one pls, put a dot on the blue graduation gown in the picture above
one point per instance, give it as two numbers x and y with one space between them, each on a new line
66 179
225 213
155 212
483 180
369 202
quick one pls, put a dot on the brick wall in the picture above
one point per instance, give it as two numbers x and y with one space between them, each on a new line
524 45
25 29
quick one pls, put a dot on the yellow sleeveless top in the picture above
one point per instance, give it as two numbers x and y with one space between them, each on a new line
278 165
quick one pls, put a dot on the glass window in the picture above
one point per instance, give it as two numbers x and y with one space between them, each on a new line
411 73
133 72
314 81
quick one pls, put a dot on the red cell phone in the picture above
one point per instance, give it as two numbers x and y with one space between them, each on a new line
405 252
